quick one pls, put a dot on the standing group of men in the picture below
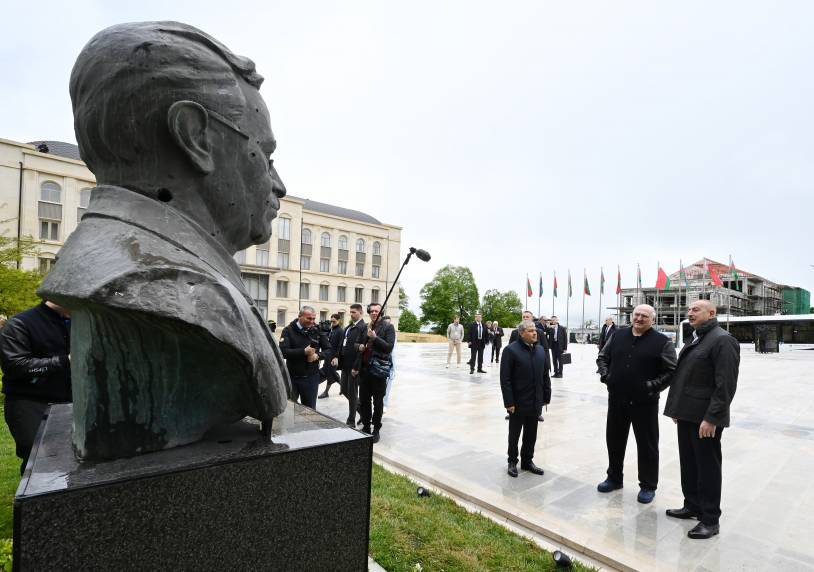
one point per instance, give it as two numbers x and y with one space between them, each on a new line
636 364
361 352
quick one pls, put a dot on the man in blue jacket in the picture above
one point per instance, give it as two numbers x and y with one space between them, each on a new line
526 387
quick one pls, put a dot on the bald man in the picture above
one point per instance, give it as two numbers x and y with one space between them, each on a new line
635 363
700 395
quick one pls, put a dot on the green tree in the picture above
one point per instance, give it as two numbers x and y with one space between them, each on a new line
452 291
17 287
408 322
403 299
505 307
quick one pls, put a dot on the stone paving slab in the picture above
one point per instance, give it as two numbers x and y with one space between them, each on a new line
448 426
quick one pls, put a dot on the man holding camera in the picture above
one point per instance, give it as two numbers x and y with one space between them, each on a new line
303 344
374 364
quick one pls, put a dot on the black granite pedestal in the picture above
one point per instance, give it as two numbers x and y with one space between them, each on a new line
230 502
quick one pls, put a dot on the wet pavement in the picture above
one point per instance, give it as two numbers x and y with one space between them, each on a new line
448 426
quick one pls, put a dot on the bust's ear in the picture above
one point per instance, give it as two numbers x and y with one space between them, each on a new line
187 122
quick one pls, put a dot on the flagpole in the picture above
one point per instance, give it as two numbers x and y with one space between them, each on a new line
553 290
568 300
539 295
584 280
526 290
658 264
601 287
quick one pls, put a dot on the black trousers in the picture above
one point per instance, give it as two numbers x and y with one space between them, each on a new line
495 352
476 351
23 417
528 424
350 389
371 388
645 420
700 471
328 373
556 352
305 389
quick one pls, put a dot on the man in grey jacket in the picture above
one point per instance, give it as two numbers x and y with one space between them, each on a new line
702 389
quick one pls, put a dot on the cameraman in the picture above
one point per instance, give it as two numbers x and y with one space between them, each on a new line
303 344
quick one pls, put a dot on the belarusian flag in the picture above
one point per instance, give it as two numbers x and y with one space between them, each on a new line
663 281
601 281
555 284
618 280
585 288
716 280
529 291
570 291
540 294
732 269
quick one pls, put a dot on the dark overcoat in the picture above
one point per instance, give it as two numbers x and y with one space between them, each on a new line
524 378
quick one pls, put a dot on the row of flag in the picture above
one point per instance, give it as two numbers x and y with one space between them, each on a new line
663 281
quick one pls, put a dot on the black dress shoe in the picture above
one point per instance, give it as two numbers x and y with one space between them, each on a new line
682 513
507 418
512 469
703 531
376 436
540 419
322 395
471 371
481 371
532 468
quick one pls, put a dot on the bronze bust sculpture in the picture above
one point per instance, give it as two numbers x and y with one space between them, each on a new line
166 342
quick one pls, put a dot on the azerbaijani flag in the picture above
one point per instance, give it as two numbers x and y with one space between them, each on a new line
618 280
540 293
585 288
570 291
529 291
732 269
555 284
663 281
683 275
601 281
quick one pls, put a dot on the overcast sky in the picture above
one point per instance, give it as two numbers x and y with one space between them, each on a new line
510 137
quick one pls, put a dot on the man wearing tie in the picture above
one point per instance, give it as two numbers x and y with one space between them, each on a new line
607 330
558 341
477 343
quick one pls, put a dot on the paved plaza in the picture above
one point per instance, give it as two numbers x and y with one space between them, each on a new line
448 427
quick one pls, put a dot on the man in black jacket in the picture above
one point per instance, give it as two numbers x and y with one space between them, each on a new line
558 342
328 371
34 356
478 336
349 382
607 331
700 394
526 387
636 363
497 342
378 345
303 345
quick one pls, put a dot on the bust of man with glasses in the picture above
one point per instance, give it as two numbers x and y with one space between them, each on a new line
166 341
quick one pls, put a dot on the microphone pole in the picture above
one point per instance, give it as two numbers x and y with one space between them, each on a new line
422 255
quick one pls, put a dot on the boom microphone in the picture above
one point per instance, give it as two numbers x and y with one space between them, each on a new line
421 254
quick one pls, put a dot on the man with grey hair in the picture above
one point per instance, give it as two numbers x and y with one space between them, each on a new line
303 344
172 124
526 388
636 363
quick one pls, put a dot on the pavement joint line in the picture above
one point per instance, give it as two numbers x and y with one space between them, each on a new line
550 535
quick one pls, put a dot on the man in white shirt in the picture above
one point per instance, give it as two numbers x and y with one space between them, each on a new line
455 335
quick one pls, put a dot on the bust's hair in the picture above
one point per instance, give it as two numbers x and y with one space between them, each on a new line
127 77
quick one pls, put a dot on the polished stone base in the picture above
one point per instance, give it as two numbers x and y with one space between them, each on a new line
232 501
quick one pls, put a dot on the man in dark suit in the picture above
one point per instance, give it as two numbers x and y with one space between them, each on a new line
702 389
351 346
526 387
607 331
328 371
478 335
558 342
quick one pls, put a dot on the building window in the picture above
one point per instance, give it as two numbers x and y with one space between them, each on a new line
305 263
343 242
376 271
261 254
342 318
240 257
257 286
282 288
360 269
46 265
377 248
342 267
84 200
281 317
358 294
284 229
323 292
305 291
282 260
324 264
50 210
360 245
306 236
340 293
374 296
323 315
325 239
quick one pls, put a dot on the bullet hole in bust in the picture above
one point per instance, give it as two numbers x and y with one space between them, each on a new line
164 195
254 154
257 110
